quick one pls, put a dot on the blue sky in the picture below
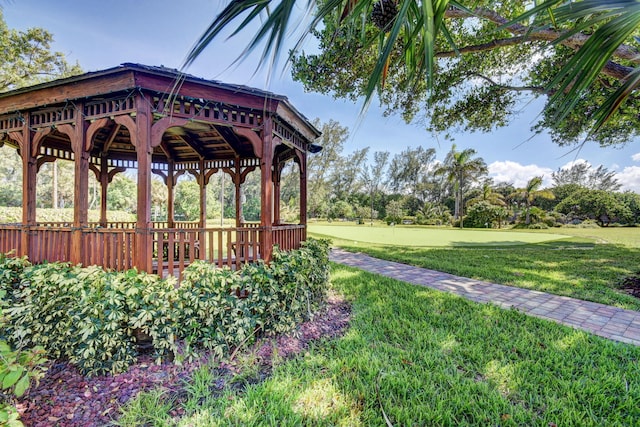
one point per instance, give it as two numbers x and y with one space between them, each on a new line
103 34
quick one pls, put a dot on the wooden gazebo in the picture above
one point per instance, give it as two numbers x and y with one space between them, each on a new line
154 120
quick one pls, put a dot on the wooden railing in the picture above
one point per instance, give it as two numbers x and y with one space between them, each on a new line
111 248
10 238
176 224
174 249
288 237
126 225
49 244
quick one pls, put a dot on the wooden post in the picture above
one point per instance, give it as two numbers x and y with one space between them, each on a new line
170 200
303 190
29 182
202 181
104 185
80 146
144 243
277 174
266 191
237 180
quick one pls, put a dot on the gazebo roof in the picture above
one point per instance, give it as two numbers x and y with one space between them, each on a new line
211 111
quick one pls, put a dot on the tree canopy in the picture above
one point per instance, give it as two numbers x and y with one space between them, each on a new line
27 58
453 64
479 85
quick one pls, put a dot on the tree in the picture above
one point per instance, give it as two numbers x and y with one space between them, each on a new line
530 192
484 214
121 194
321 166
395 212
461 168
489 55
409 171
341 209
10 177
598 205
187 200
487 194
373 175
480 89
346 174
582 174
27 58
632 202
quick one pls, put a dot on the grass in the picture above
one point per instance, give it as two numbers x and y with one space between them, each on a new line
423 357
575 266
429 236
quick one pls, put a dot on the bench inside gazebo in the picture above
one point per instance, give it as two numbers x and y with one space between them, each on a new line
159 121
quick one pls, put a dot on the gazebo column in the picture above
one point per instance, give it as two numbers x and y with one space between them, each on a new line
104 186
302 163
29 178
80 144
277 174
144 242
104 177
140 132
202 182
170 182
266 191
237 181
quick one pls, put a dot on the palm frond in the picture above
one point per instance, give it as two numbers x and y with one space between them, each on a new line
417 25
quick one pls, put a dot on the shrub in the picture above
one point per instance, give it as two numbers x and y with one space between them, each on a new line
97 319
209 310
90 316
17 369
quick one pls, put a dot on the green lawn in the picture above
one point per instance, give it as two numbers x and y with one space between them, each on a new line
575 266
422 236
415 356
423 358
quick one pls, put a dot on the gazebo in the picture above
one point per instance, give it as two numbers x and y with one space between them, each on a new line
157 121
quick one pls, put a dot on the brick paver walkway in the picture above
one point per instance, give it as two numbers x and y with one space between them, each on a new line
609 322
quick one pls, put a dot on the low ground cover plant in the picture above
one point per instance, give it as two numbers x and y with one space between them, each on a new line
97 319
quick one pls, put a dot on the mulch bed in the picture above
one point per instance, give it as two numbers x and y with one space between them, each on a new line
64 397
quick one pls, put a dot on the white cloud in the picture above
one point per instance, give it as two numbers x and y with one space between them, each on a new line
572 163
636 157
518 174
629 177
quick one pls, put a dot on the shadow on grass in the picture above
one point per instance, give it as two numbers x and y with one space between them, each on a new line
423 357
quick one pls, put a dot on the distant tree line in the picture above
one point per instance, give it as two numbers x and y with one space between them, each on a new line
409 187
414 187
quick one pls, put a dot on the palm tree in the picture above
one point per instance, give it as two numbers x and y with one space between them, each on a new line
487 195
530 192
414 24
460 167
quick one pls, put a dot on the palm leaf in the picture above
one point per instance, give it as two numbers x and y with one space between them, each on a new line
417 25
615 22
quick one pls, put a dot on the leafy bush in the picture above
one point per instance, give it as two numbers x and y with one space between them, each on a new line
17 369
210 312
97 319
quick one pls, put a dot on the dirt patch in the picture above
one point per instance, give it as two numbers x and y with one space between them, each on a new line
631 285
66 398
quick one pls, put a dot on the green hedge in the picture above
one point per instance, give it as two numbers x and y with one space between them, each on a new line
96 319
14 215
